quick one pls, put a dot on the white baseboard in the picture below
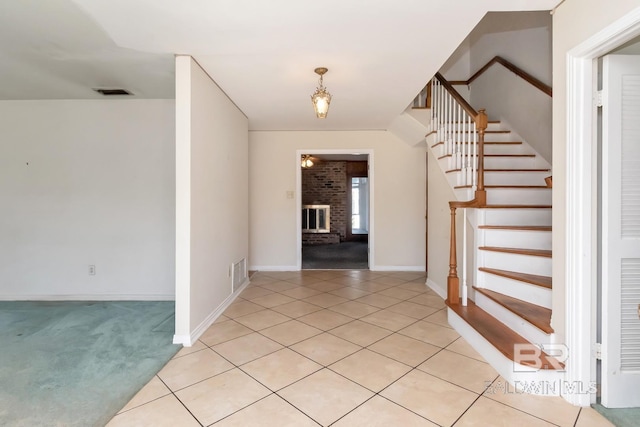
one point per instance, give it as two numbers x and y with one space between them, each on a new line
89 297
189 340
372 268
440 290
398 268
273 268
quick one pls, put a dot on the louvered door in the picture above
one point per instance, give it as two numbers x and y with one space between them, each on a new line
621 232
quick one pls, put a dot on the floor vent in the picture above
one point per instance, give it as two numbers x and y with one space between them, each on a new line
238 274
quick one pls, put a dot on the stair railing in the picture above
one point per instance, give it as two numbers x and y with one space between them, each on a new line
511 67
460 133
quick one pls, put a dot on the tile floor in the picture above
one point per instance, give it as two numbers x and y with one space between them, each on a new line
342 348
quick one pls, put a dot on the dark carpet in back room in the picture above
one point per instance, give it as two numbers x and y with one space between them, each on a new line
346 255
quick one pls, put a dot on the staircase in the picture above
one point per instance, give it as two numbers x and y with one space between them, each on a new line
507 316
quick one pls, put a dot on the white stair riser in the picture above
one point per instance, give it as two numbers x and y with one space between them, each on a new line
488 149
506 149
496 137
514 163
515 217
514 288
513 321
519 196
515 262
515 178
456 178
465 126
456 161
516 238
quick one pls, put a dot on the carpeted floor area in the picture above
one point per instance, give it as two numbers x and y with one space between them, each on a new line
341 256
78 363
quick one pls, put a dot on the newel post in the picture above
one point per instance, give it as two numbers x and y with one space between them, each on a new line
481 125
453 282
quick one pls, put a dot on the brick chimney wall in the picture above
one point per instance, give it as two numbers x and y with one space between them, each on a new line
325 183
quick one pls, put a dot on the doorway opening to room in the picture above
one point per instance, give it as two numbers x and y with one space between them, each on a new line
335 210
601 184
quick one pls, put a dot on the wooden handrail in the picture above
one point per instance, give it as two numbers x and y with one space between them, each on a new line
511 67
454 93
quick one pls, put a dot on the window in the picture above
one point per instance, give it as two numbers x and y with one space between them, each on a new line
360 205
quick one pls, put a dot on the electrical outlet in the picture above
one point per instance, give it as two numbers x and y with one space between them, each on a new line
92 270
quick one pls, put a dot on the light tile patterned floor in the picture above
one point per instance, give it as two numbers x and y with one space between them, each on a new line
343 348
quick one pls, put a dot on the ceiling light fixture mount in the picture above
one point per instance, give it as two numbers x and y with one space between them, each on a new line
321 98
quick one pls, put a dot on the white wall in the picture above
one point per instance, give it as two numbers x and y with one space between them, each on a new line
212 197
573 23
399 196
524 38
87 183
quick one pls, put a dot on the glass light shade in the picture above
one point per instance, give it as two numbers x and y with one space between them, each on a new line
321 100
306 162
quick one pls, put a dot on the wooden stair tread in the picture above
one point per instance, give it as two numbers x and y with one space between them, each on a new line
517 170
538 316
493 122
521 187
519 251
488 131
485 143
509 155
498 334
496 155
534 279
516 207
542 187
517 227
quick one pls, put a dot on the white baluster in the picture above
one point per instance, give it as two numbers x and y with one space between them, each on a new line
433 105
474 163
464 257
465 148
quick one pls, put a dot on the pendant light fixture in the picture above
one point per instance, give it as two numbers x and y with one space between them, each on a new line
321 98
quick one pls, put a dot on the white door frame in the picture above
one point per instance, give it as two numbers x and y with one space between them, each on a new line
369 153
581 201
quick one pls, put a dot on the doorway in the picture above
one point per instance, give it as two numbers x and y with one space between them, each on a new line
581 203
335 209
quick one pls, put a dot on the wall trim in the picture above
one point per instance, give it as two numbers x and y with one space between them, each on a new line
274 268
398 268
89 297
581 202
189 340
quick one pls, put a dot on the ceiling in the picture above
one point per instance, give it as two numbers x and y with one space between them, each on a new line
261 53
